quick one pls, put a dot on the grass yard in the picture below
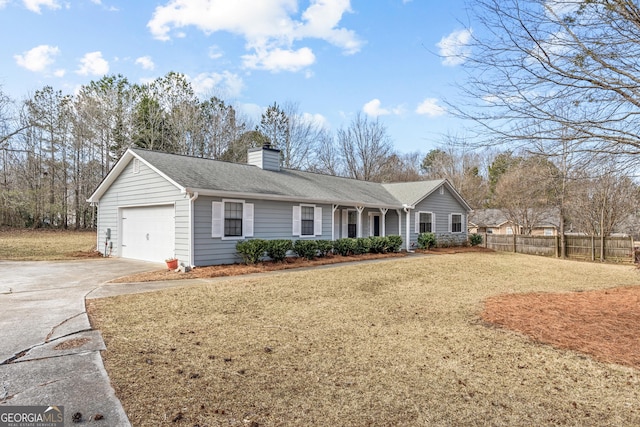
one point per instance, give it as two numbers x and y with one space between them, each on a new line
46 245
397 343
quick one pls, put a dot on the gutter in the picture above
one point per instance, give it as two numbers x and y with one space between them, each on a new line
192 199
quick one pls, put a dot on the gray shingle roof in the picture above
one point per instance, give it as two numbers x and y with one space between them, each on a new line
215 177
411 193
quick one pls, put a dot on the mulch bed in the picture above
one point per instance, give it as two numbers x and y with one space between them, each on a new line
604 324
240 269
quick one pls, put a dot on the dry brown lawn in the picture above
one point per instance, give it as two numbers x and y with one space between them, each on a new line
46 245
400 342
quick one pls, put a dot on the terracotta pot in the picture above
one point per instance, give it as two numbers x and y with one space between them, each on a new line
172 264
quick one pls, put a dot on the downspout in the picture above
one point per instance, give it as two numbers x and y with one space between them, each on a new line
192 199
407 210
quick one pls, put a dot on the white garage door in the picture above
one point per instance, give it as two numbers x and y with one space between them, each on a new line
148 233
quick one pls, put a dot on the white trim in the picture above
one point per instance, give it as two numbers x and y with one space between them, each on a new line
462 229
277 197
217 219
360 209
383 211
417 221
296 225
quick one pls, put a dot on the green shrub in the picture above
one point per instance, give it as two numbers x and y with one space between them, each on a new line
305 248
395 243
475 239
324 247
378 244
362 246
251 251
277 249
426 240
449 241
344 246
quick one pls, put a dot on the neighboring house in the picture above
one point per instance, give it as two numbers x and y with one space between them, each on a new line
154 205
494 221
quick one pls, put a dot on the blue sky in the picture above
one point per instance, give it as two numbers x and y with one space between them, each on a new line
391 59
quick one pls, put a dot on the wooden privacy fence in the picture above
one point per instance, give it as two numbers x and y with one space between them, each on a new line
586 248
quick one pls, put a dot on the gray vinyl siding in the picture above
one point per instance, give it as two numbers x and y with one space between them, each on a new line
145 188
442 205
271 220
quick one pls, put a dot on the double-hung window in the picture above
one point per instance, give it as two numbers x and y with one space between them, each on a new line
307 221
232 219
456 223
425 222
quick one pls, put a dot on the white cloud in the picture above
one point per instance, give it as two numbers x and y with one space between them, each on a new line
230 85
93 63
60 73
268 27
280 59
146 62
35 5
38 58
374 108
215 52
3 3
454 48
317 119
430 108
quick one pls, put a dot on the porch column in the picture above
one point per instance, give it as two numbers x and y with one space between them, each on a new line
399 212
334 208
408 231
360 209
383 211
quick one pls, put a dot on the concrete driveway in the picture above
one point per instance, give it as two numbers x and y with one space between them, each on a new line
48 353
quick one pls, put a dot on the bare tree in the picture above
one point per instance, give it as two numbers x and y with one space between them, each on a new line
462 166
572 65
525 192
364 147
604 203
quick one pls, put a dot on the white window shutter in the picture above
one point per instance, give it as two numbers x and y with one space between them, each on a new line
217 219
417 224
345 223
433 223
247 220
297 225
450 223
317 221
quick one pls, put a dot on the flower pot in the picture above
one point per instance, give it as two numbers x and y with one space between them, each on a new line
172 264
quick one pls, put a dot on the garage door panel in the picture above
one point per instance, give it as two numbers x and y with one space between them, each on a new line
148 233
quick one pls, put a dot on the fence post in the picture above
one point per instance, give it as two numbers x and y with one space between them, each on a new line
593 247
557 245
485 239
515 247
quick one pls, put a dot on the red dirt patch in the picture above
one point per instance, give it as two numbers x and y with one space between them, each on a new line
604 324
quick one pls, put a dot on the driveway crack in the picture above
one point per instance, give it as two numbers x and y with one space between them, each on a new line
53 330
